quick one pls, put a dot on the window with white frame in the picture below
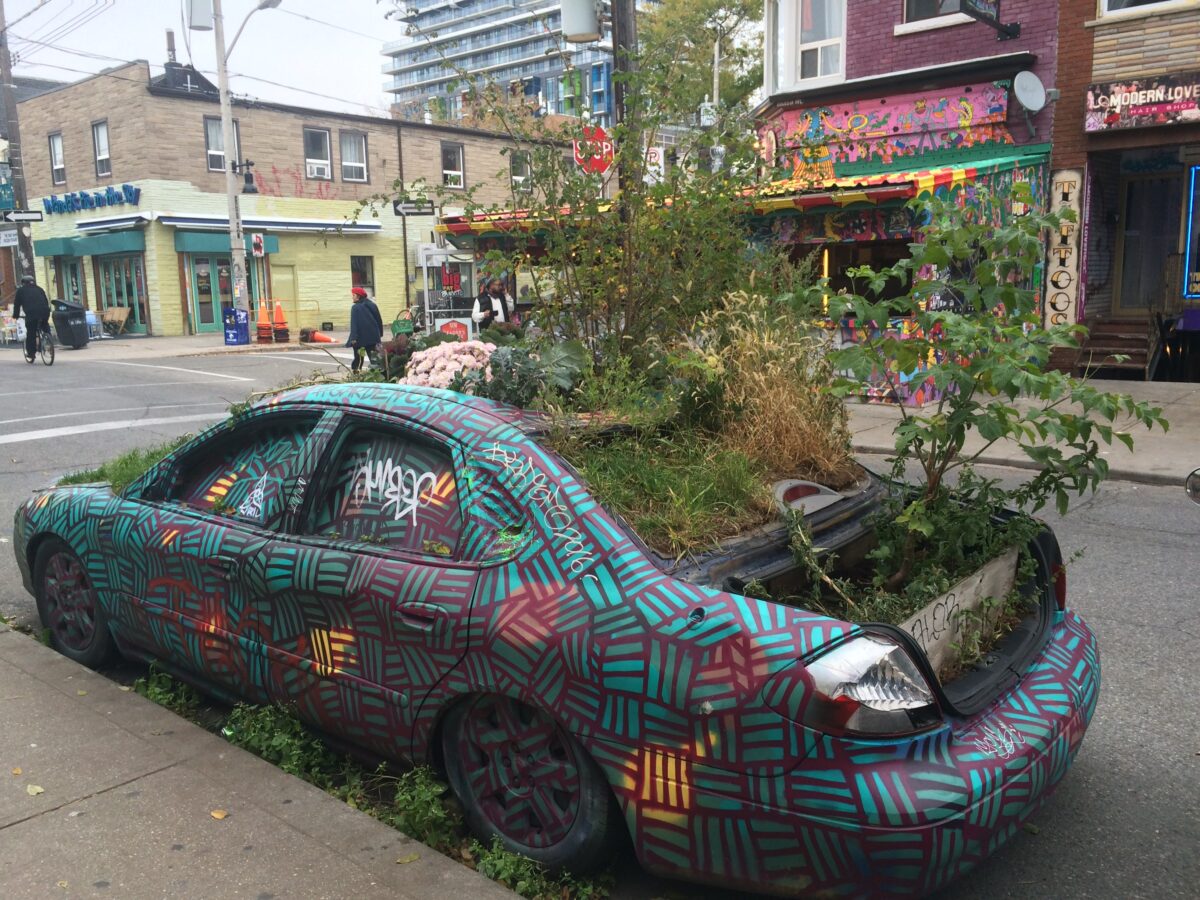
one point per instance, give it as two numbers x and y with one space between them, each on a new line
520 171
354 155
1113 6
317 162
100 147
58 165
805 44
916 10
453 173
821 30
214 143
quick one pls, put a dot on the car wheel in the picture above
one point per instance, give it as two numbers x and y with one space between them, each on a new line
520 777
69 607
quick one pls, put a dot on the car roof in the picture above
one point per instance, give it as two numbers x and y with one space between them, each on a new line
462 415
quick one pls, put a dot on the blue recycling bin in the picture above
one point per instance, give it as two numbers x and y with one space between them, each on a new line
237 325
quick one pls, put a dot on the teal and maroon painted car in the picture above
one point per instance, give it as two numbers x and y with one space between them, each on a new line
410 569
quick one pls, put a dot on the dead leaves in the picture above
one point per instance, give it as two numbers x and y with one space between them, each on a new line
16 771
410 858
34 789
218 814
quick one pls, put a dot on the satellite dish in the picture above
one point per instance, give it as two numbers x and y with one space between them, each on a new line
1030 92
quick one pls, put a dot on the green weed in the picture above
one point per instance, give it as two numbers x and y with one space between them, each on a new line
121 471
158 686
530 879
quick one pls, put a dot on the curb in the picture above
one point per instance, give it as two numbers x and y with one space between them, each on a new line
1115 473
248 348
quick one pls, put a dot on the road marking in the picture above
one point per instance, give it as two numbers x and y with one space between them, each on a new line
321 354
46 433
107 411
109 387
109 362
326 361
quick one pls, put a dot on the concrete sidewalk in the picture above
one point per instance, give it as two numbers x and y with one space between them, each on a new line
1157 458
138 347
105 794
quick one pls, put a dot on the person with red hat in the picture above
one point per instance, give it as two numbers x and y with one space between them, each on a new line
366 328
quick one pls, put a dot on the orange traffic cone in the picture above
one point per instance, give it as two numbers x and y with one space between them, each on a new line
264 324
320 337
281 328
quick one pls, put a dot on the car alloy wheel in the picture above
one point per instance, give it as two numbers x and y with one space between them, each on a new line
522 778
69 606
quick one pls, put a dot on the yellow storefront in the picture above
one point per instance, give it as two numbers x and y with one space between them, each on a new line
161 249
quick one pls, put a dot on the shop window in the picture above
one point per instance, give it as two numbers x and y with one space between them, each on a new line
353 145
1191 286
100 148
121 282
389 488
1113 6
362 273
453 171
58 165
520 171
214 143
916 10
317 162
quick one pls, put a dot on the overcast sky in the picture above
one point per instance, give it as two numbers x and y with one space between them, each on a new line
326 51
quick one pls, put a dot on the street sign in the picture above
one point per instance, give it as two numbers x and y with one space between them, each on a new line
8 238
7 199
21 215
595 152
412 207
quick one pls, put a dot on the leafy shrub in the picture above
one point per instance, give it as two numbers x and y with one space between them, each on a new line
439 365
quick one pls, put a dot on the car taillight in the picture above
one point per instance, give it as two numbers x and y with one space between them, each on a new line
1059 573
869 686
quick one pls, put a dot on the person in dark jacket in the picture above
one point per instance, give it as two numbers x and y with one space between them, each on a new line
36 304
366 328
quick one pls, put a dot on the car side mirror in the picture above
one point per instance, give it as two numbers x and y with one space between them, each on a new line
1192 485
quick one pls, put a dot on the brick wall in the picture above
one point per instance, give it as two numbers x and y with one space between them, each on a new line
1074 75
874 48
1146 45
485 167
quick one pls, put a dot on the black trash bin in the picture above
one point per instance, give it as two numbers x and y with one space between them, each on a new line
70 322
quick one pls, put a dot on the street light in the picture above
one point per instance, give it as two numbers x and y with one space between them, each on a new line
202 13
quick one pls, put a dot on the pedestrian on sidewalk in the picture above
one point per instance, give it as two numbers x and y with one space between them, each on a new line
492 306
366 328
36 304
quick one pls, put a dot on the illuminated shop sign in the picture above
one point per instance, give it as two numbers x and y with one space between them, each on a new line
125 195
1191 284
1144 102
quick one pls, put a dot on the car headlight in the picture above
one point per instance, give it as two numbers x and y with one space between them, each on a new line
869 686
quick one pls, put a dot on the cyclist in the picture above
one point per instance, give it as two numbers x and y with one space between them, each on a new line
36 304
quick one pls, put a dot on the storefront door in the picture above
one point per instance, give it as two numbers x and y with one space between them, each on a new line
212 288
70 285
122 282
1151 208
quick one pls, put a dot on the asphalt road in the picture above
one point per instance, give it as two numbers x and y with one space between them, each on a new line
1123 824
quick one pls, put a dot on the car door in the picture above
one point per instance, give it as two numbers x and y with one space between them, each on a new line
197 553
367 599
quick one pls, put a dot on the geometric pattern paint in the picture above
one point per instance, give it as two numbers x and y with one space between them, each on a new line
515 582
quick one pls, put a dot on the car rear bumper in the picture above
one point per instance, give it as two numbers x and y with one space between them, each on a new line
895 818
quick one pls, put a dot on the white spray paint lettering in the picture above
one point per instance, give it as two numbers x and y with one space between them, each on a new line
402 490
546 496
252 506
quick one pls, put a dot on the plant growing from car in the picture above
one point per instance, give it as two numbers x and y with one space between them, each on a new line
987 364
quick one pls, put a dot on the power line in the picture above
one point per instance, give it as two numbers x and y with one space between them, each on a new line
19 19
373 38
98 8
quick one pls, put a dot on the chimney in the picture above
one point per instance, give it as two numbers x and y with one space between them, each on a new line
170 45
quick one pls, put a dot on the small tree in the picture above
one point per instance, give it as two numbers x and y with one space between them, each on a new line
988 366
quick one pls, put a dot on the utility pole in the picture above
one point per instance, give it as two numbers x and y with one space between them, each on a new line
717 70
16 160
237 240
624 28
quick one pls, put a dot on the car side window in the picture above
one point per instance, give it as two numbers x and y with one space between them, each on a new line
243 475
389 487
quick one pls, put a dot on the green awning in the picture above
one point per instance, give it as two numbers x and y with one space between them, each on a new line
217 242
117 242
92 244
54 247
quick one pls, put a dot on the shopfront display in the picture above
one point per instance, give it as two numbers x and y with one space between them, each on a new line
121 281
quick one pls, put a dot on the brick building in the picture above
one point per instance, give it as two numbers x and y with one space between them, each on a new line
1127 142
872 102
129 172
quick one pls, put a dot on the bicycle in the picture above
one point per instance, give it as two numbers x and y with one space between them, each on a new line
45 347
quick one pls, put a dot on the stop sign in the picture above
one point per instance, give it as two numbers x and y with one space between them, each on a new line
594 153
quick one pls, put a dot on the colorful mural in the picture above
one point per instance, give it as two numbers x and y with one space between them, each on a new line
845 226
549 630
816 140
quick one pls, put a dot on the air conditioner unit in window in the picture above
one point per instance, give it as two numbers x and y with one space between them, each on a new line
318 170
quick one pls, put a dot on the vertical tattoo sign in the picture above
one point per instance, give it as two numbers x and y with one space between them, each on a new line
1063 268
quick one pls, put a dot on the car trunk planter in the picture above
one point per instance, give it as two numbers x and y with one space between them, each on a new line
972 605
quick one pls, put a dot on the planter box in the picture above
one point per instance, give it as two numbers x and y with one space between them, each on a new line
943 623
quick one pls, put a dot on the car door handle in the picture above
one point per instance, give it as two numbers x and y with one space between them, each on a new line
421 617
230 566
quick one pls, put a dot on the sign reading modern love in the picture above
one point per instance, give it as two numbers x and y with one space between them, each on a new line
1143 102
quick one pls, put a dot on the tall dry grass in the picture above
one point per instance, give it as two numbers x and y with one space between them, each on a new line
775 377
